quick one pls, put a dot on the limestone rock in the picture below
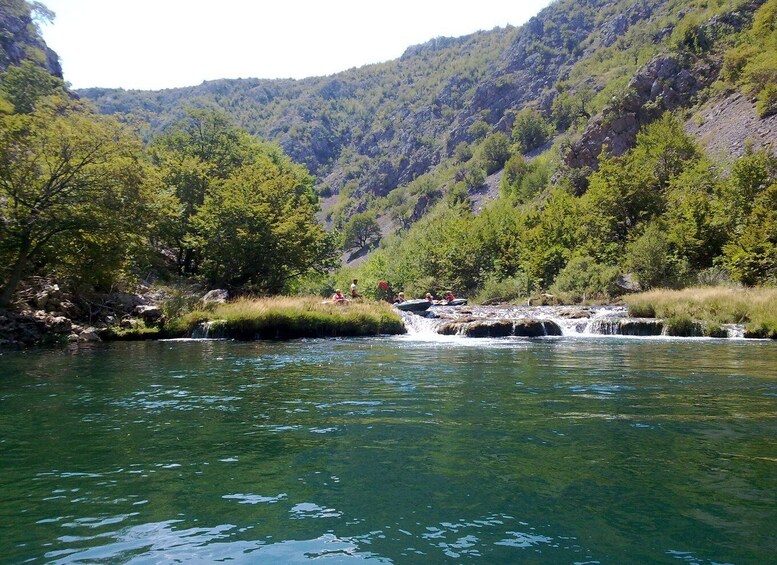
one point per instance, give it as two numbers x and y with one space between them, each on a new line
500 328
217 296
149 314
89 335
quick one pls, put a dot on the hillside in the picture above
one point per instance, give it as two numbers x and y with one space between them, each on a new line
382 125
372 129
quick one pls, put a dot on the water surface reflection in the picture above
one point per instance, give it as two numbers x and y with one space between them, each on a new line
387 450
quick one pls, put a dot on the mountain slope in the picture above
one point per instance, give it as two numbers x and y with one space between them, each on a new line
363 132
382 125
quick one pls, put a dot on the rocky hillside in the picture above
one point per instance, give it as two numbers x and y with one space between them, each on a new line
20 38
366 131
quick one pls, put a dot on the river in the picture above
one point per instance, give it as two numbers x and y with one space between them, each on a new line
391 450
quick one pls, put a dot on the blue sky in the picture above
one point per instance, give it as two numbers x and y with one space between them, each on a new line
153 44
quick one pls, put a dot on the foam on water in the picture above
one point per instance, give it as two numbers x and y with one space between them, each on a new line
600 321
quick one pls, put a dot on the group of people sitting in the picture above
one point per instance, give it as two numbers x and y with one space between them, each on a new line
400 298
338 297
449 297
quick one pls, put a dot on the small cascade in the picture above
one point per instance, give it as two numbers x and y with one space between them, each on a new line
594 321
626 326
213 329
539 321
419 325
734 331
603 326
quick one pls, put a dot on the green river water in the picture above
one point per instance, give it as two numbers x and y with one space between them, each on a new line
391 450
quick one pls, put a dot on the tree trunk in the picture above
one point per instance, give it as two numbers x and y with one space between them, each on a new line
17 272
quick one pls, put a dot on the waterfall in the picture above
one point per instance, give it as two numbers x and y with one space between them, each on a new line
420 325
213 329
504 321
734 331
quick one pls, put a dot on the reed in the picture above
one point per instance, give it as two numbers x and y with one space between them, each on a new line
756 308
285 317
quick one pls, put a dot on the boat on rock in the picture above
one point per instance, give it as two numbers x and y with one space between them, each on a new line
420 305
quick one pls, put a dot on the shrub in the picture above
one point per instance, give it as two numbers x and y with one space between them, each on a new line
512 289
531 130
767 101
493 152
584 278
682 326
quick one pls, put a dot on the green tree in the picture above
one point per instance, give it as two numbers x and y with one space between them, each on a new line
191 157
650 258
22 86
568 107
695 218
751 256
360 230
531 130
68 179
750 175
663 150
586 278
493 152
515 170
257 229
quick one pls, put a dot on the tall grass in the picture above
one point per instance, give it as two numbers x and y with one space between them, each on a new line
756 308
286 317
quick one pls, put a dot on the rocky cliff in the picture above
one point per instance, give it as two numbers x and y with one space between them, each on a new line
20 38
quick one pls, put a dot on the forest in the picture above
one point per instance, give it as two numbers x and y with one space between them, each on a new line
83 201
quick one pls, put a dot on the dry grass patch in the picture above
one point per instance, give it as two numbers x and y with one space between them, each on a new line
285 317
756 308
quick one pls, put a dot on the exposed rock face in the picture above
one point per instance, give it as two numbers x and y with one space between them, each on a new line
663 84
472 327
217 296
149 314
47 312
726 127
20 40
30 328
89 335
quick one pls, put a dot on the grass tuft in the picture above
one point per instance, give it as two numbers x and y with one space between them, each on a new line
286 317
756 308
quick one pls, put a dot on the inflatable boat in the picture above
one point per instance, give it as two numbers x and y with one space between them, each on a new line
413 305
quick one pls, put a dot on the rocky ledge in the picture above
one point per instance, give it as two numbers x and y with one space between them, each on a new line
522 327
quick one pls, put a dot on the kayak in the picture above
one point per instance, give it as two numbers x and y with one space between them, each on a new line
413 305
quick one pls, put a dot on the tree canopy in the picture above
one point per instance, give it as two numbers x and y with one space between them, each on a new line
70 190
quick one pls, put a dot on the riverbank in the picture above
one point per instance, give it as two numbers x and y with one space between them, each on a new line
698 312
287 318
710 308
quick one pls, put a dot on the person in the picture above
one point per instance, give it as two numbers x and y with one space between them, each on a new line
449 297
384 291
399 298
338 297
429 297
354 294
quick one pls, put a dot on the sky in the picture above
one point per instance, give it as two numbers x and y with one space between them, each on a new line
155 44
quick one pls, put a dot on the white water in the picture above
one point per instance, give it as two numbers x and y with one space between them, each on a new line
208 330
573 321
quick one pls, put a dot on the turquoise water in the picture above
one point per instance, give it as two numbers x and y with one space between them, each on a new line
391 451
